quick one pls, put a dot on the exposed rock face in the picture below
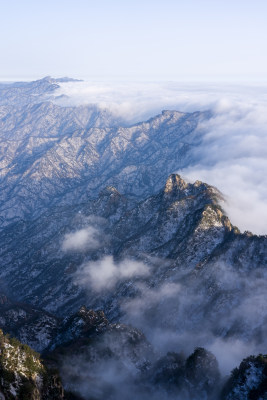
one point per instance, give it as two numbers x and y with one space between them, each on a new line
196 377
23 376
175 185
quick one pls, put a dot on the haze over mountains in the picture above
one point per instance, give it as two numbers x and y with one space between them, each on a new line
110 259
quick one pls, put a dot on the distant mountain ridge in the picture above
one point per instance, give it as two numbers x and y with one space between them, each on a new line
22 93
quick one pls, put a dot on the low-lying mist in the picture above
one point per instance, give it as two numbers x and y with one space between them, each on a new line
217 307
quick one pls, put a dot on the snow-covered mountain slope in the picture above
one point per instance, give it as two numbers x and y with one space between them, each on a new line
53 155
22 93
181 215
30 325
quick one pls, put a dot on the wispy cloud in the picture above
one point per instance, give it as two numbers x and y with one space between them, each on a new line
104 274
83 239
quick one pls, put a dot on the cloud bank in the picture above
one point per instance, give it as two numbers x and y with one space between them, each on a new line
233 157
232 154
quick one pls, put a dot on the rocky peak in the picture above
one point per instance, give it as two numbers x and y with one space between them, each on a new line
175 184
111 203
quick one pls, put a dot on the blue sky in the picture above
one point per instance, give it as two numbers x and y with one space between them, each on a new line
134 40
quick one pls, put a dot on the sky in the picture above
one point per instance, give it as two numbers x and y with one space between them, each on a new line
140 40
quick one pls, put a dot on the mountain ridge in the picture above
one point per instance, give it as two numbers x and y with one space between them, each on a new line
66 153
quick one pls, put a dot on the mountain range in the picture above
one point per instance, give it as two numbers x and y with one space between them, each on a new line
122 274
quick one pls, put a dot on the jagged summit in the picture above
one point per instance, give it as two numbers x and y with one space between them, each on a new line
177 188
175 183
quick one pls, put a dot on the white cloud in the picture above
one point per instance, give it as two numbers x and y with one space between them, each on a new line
83 239
104 274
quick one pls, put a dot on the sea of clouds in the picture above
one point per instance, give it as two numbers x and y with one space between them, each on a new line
233 152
